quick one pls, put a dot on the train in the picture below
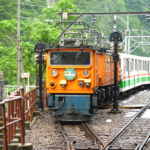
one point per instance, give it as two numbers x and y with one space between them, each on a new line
80 76
80 80
134 72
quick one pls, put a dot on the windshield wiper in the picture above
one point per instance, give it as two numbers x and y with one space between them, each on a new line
78 54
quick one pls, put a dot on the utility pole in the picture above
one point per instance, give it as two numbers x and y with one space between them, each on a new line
18 46
19 52
48 3
22 70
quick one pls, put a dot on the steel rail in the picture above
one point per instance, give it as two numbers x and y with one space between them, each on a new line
88 132
91 133
126 106
144 142
86 149
68 147
122 130
137 148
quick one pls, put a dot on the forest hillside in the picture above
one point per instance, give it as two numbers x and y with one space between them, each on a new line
38 20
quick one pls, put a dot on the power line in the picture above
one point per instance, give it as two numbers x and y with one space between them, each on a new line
101 26
128 12
32 5
144 4
29 18
120 6
135 18
82 5
37 19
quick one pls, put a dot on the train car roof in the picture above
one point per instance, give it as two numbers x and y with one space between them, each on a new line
134 56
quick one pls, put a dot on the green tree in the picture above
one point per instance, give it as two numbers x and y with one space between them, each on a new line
7 9
39 29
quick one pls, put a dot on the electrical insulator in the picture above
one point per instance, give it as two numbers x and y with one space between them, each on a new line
65 15
126 32
93 19
148 17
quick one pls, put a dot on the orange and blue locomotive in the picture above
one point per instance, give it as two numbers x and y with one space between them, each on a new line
79 80
80 76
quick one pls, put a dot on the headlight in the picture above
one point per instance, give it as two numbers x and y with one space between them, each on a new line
54 73
86 73
52 84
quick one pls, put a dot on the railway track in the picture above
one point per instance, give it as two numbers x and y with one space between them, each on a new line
134 135
80 137
92 135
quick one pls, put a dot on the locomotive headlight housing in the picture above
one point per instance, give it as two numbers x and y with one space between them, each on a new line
54 73
81 84
52 84
86 73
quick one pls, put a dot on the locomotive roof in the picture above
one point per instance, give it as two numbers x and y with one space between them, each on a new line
69 48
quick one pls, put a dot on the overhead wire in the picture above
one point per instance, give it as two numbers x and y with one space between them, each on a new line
144 4
128 12
102 27
33 5
90 20
120 6
82 5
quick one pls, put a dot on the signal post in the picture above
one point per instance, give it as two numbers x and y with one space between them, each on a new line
40 48
115 37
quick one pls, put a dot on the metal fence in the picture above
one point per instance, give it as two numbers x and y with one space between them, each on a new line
10 88
17 110
30 101
15 114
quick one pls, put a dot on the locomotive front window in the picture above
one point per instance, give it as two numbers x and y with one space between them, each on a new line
70 58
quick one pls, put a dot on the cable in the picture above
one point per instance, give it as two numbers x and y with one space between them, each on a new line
107 30
82 5
52 114
120 6
29 18
144 4
128 12
33 5
101 27
38 19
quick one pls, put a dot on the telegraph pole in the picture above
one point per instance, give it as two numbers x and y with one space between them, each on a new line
19 52
22 70
48 3
18 46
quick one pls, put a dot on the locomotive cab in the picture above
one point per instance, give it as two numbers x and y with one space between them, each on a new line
72 79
